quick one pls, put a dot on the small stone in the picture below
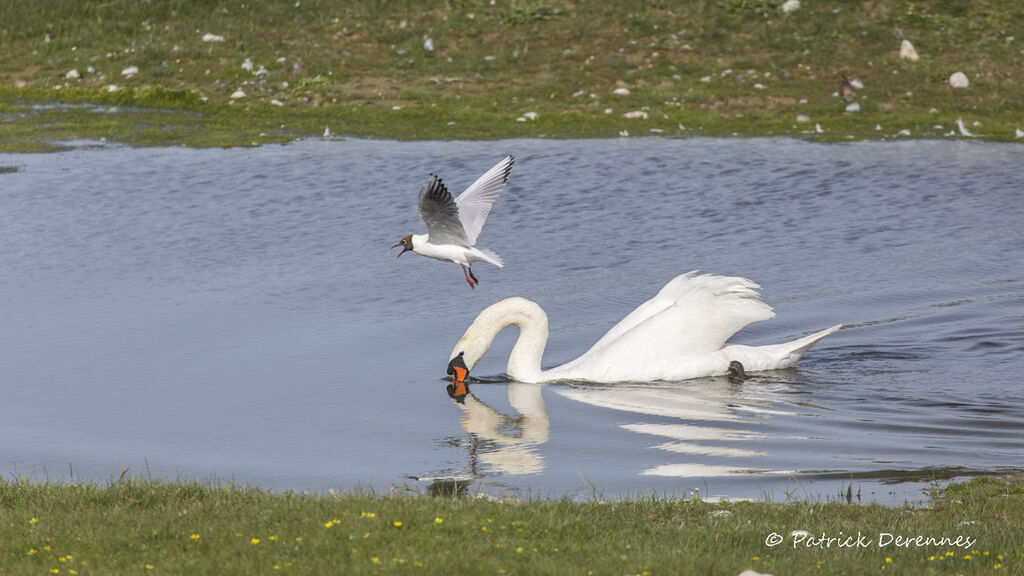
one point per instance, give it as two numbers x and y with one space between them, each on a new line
73 74
959 80
111 88
130 71
854 107
276 102
212 38
705 79
759 86
636 114
428 44
907 51
1019 134
237 94
802 118
530 115
817 128
903 132
621 91
790 6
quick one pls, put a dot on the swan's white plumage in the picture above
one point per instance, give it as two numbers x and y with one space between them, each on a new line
678 334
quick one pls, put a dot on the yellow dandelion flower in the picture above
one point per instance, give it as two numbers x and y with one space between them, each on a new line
33 520
375 560
47 547
272 538
967 556
70 557
438 520
277 566
997 566
55 570
519 550
150 567
72 571
329 523
931 558
888 560
397 523
62 559
195 537
254 541
483 528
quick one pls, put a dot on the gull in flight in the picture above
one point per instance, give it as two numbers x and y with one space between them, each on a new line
454 224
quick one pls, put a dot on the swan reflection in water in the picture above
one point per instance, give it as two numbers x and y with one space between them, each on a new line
711 419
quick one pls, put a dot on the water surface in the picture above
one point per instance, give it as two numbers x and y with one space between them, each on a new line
237 315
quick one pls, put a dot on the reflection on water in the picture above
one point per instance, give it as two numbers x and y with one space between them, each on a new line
500 444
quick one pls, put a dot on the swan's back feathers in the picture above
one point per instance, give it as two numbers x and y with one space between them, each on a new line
691 315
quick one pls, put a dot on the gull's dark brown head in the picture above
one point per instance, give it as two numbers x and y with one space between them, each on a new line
405 243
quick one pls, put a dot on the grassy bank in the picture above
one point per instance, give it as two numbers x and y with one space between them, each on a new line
149 527
507 68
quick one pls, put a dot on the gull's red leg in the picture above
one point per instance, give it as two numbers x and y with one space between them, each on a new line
466 274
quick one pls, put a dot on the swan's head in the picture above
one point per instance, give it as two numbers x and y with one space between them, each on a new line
405 243
478 337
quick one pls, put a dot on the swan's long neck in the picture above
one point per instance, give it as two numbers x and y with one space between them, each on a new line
524 362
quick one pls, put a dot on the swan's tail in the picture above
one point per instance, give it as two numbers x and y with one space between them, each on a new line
797 348
775 356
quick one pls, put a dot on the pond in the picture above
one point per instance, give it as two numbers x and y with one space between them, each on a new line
237 316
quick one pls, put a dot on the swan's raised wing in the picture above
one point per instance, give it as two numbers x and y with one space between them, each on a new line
475 203
706 312
665 297
441 214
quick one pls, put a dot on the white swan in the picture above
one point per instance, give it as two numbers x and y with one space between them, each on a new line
681 333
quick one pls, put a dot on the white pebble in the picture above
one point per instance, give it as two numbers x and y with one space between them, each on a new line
817 128
1019 134
907 51
130 71
856 83
111 88
428 44
802 118
790 6
853 107
73 74
276 102
903 132
959 80
530 115
705 79
237 94
759 86
621 91
396 108
212 38
636 114
247 65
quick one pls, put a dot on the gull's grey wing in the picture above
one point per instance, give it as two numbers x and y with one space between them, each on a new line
475 203
441 214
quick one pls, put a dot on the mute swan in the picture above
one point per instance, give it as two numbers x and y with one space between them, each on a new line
679 334
453 225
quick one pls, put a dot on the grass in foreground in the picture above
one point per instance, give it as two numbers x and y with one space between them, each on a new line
363 68
152 527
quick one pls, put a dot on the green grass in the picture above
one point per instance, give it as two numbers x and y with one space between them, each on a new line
346 66
153 527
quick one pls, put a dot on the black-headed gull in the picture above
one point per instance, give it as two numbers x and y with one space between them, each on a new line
454 224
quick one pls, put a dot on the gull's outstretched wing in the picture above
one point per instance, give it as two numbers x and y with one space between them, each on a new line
475 203
441 214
